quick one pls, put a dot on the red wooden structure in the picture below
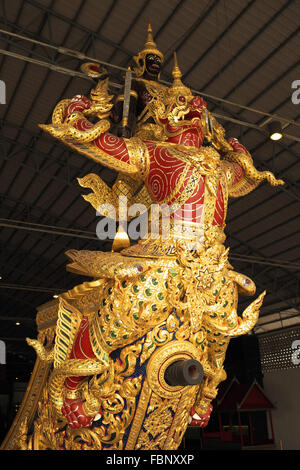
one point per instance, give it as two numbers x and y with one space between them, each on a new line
239 405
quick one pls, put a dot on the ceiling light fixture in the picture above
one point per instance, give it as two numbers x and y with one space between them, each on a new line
275 130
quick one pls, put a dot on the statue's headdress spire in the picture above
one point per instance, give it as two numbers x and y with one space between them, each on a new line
176 73
150 44
178 86
150 47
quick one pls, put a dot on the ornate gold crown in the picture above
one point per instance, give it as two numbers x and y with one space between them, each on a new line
172 102
149 48
178 88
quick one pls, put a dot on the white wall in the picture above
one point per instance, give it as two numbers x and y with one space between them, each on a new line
282 387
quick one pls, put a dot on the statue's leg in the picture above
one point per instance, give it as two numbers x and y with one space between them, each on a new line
218 318
214 372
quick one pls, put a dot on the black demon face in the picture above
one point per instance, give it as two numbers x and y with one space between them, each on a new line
153 64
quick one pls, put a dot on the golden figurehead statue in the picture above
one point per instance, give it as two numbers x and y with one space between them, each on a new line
136 352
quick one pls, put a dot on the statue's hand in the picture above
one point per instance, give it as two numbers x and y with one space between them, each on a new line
79 103
237 147
73 410
124 132
202 420
197 103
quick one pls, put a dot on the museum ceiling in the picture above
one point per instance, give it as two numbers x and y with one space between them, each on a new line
241 56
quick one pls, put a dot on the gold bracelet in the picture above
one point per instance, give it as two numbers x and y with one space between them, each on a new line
134 94
119 98
124 121
91 407
72 394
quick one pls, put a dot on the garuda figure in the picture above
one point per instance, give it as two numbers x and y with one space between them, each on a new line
139 348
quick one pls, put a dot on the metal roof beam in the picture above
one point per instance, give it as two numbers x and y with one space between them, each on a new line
262 218
14 92
40 88
259 253
218 39
17 319
62 94
264 232
24 260
131 25
245 46
76 25
36 169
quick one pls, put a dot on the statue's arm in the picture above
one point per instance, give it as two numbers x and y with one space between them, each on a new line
242 176
70 124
